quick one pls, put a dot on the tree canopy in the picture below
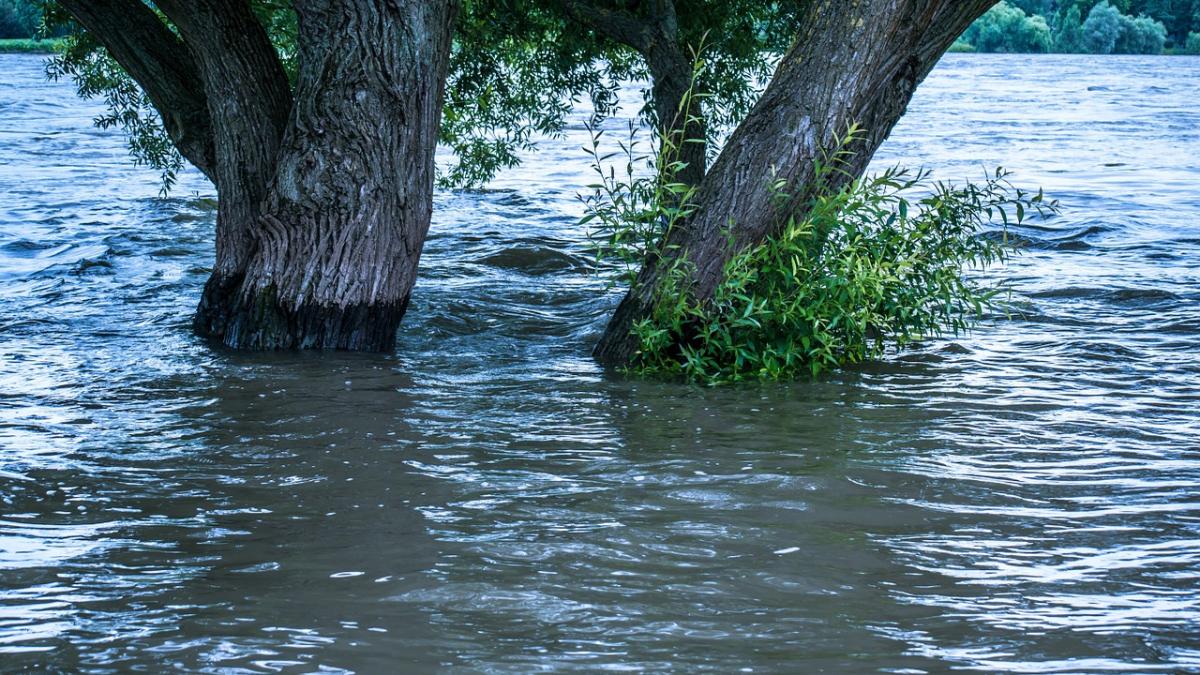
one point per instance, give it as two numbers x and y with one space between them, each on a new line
1086 26
517 69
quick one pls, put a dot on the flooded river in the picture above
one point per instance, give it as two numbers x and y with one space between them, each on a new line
1022 499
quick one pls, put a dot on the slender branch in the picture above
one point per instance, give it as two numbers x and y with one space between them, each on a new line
158 61
656 38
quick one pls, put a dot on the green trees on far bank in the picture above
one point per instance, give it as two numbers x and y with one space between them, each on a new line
1006 28
18 19
1107 31
1087 26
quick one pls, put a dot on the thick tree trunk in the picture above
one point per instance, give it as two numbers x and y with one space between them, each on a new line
336 242
249 100
854 62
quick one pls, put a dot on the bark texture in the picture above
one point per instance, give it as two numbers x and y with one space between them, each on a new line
339 234
249 101
854 62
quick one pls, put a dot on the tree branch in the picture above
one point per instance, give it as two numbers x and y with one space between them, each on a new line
158 61
614 24
250 101
233 52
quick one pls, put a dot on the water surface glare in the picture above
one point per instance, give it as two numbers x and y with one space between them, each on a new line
1024 499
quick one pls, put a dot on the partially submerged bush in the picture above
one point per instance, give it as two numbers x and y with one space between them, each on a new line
882 261
867 266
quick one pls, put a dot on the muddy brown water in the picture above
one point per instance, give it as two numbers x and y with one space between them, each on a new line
1022 499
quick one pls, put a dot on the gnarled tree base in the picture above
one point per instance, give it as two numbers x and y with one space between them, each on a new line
256 320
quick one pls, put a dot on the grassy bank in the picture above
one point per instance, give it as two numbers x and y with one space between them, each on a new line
28 46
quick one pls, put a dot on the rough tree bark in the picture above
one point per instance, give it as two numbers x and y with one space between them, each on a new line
656 38
249 100
340 232
325 196
854 62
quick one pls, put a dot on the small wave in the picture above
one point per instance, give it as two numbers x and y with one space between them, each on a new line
534 259
25 246
1142 296
1124 296
1103 348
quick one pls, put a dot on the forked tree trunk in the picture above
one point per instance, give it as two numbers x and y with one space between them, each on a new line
336 241
854 62
249 102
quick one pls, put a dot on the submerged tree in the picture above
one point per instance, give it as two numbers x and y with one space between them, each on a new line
325 189
515 69
324 165
854 62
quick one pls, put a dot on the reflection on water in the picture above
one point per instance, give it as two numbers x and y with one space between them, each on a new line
1023 499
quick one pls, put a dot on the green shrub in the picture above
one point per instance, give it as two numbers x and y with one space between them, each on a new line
883 261
29 46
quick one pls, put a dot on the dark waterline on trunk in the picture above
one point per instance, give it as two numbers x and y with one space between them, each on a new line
1026 498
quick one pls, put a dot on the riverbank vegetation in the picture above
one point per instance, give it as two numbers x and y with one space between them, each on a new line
30 46
19 19
1086 27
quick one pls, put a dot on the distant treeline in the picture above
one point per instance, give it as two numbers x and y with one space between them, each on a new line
19 19
1087 27
1068 26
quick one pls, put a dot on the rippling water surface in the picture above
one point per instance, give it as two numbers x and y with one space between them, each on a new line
1024 499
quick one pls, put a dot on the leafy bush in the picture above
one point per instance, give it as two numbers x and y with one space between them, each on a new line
1005 28
29 46
880 262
